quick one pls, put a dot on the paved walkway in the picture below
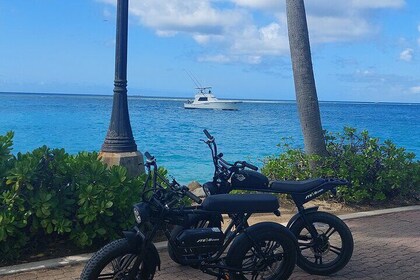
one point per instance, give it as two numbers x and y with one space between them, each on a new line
386 247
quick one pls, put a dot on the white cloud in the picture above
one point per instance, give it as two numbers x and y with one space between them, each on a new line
191 16
336 29
233 28
267 40
220 58
365 73
344 20
324 4
415 90
260 4
375 4
107 14
407 55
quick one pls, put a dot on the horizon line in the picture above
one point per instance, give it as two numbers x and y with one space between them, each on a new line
182 98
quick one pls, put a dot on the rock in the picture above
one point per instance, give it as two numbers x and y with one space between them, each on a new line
199 192
194 185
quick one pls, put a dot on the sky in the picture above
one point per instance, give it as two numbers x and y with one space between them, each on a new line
362 50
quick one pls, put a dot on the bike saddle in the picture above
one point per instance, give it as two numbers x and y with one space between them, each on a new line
241 203
296 186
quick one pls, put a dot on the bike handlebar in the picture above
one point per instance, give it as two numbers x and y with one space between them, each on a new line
208 135
218 158
224 163
175 187
148 156
250 166
192 196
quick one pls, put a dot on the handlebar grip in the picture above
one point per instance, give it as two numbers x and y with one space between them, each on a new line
207 134
193 197
148 156
250 166
224 163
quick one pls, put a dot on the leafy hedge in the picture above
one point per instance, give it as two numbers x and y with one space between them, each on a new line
49 195
377 171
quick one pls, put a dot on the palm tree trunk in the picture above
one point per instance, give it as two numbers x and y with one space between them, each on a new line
306 95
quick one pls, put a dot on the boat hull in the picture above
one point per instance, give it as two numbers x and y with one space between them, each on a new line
232 106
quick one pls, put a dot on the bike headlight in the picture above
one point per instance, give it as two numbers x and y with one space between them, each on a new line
142 212
137 215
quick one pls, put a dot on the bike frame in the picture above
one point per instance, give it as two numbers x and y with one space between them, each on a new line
167 215
222 166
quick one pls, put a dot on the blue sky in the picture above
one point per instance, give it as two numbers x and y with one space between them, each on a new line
362 50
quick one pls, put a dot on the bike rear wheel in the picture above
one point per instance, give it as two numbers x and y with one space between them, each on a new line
265 251
330 251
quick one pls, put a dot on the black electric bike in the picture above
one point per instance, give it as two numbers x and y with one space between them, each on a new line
262 251
325 242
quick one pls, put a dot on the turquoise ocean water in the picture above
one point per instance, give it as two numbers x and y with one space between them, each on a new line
172 134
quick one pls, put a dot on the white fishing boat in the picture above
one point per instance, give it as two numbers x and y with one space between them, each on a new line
204 99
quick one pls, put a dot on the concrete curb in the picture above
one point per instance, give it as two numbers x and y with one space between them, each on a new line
378 212
161 246
59 262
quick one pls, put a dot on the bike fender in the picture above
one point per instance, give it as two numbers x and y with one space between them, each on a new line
136 238
152 257
298 215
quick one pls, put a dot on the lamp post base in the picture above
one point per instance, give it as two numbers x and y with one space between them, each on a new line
133 161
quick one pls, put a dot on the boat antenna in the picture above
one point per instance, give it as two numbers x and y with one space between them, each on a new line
194 79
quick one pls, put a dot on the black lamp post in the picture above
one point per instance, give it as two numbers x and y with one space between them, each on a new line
120 137
119 144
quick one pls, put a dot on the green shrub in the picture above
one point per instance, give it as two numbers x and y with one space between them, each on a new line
48 195
377 171
105 199
6 143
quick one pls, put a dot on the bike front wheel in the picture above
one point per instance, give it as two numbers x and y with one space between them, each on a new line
327 253
117 260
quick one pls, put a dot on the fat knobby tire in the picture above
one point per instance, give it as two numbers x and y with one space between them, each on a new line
109 252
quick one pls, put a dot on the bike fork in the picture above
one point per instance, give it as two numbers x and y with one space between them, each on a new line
310 227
